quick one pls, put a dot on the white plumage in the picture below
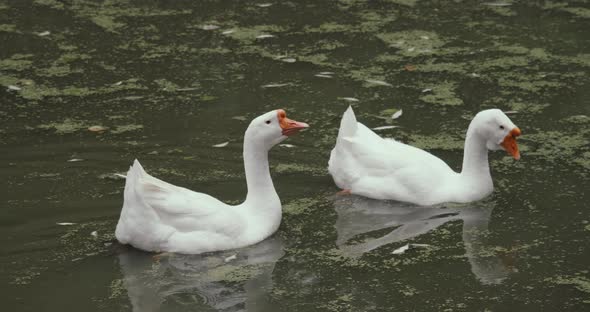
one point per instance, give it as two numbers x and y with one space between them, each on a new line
368 165
159 216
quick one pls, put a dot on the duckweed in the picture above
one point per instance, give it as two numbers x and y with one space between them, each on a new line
17 62
443 94
413 42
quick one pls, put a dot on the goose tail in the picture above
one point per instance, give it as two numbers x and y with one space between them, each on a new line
131 203
348 124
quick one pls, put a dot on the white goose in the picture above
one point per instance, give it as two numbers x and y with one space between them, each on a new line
158 216
365 164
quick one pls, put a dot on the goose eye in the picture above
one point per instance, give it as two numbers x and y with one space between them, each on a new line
268 122
502 127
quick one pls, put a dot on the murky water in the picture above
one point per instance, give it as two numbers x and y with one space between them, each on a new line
171 79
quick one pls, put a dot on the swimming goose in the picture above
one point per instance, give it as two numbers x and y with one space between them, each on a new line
161 217
365 164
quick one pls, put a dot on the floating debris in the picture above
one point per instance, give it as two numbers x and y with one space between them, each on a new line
97 129
275 85
263 5
410 67
379 82
227 32
474 75
384 128
120 175
118 83
287 145
397 114
133 97
75 160
44 33
241 118
209 27
323 76
511 112
289 60
112 176
426 90
65 223
94 233
425 37
14 88
230 258
224 144
326 73
406 247
349 99
264 36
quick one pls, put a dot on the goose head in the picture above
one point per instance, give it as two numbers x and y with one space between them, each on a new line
498 131
272 128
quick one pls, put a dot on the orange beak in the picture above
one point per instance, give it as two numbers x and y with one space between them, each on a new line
289 126
509 143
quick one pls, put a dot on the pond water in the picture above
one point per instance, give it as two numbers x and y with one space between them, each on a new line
170 79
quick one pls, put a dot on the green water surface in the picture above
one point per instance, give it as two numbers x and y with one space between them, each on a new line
167 80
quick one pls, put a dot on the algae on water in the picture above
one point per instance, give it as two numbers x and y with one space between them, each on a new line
64 127
442 94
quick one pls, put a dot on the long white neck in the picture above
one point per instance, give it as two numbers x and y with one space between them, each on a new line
257 171
475 158
262 206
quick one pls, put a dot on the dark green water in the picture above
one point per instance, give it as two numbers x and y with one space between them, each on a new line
172 78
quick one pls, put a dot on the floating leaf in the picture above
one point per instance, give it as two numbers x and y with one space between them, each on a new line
224 144
112 176
401 250
187 89
241 118
275 85
65 223
378 82
230 258
209 27
384 128
397 114
406 247
349 99
98 129
133 97
410 67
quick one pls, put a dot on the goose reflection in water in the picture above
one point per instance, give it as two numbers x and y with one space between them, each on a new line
235 280
360 215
